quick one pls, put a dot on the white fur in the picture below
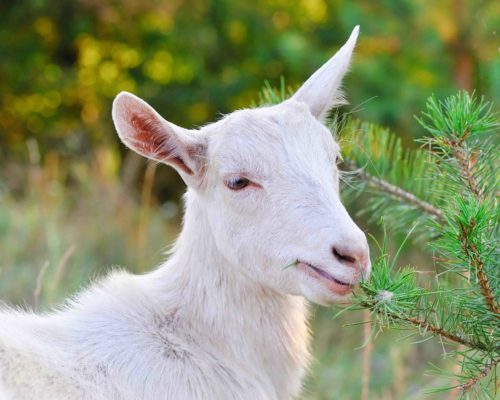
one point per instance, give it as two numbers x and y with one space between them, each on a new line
222 318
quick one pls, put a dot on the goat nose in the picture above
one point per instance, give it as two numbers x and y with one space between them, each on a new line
351 256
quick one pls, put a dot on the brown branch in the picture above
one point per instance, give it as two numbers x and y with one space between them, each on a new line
430 328
467 386
472 253
441 332
396 192
466 163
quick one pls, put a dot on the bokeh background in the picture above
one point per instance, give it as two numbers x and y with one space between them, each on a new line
74 202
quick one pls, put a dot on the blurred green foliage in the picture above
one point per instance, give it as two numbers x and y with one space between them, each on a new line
62 62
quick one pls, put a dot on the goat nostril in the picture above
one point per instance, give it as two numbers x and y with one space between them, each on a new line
343 258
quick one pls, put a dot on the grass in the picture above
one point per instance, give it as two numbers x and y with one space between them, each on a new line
64 224
67 227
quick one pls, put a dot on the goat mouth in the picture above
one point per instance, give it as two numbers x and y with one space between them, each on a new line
333 284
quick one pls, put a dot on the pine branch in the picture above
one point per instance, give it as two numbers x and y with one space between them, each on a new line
426 326
467 386
396 192
441 332
451 124
471 251
465 163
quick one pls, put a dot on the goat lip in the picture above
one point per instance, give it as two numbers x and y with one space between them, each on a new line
333 284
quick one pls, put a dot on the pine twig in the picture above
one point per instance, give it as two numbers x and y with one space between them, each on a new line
431 328
441 332
466 165
396 192
467 386
472 253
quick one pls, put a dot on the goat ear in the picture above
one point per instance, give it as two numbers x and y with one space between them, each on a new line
322 90
143 130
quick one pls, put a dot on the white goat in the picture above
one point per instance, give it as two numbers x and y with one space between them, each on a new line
222 318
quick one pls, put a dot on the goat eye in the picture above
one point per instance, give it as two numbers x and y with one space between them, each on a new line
237 183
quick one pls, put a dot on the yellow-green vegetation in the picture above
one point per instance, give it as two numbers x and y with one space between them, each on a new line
67 226
63 61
